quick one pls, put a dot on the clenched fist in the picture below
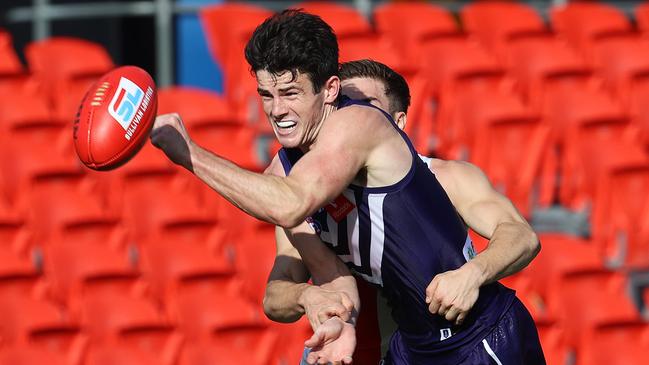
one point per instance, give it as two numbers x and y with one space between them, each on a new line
452 294
169 135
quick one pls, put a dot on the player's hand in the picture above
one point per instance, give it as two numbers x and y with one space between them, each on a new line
320 304
169 134
452 294
333 342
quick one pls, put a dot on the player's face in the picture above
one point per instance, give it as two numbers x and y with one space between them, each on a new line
293 109
366 89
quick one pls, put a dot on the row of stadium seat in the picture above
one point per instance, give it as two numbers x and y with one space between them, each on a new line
568 290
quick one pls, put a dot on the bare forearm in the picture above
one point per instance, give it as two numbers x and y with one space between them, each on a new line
265 197
511 248
286 301
282 300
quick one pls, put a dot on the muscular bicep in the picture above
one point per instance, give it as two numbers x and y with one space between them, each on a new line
480 205
340 153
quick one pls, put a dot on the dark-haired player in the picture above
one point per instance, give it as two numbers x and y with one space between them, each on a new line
359 183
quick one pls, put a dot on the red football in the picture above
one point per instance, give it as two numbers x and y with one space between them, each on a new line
115 118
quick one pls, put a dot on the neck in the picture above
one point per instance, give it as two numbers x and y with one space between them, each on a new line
328 110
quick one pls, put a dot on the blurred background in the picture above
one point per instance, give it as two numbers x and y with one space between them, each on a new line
145 265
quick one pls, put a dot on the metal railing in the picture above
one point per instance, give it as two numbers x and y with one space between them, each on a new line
42 13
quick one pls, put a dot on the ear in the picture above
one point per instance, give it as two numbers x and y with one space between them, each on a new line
331 89
400 118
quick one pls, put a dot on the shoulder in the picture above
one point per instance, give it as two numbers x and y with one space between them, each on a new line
455 169
360 115
459 176
275 167
351 128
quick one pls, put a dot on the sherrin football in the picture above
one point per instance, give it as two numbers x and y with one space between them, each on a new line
115 118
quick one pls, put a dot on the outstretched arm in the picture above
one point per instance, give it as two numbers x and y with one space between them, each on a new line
512 242
316 179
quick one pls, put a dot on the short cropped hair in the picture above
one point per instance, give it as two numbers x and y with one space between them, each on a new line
396 87
293 40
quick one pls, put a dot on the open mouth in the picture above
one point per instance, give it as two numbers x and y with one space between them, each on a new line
286 124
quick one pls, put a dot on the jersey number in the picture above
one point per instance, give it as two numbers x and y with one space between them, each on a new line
357 241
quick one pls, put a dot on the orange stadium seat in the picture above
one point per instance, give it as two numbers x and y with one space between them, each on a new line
16 246
560 256
424 22
238 143
509 145
111 354
554 347
550 329
33 143
345 20
9 63
131 321
292 337
640 118
255 255
175 259
377 49
453 137
618 224
145 212
213 125
149 162
539 62
204 309
583 23
583 120
615 344
184 100
67 66
496 23
65 57
60 202
14 266
13 75
642 17
604 290
213 353
24 105
43 326
75 266
623 62
227 28
448 60
24 315
28 355
421 116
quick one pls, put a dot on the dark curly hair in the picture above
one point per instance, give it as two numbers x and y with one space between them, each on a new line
396 87
294 41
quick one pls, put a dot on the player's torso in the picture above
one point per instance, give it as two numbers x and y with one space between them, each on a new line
399 237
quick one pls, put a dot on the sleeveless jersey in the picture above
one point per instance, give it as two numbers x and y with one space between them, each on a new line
399 237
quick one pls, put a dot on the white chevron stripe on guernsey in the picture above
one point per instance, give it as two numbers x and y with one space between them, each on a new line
353 230
375 203
330 236
491 352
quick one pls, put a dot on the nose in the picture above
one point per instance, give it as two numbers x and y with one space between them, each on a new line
279 109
